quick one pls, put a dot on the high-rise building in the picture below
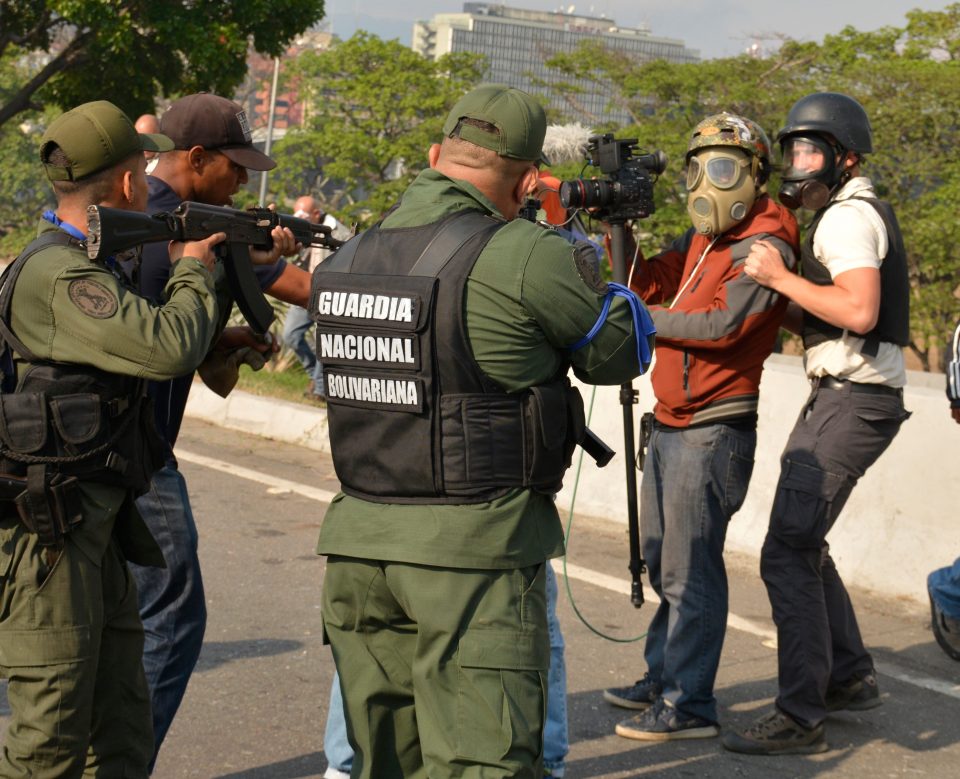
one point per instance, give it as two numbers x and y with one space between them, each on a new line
518 42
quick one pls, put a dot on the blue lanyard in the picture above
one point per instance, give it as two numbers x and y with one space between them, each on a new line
65 226
643 326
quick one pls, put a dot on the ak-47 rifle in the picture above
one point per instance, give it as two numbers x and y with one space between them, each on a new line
112 230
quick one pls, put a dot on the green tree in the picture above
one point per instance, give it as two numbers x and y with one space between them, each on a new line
374 108
131 51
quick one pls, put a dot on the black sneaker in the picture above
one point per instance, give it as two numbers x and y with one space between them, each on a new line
858 694
945 629
662 722
777 734
641 695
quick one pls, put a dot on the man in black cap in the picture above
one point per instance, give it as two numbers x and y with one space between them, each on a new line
213 150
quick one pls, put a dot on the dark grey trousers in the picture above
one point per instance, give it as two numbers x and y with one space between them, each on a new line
840 433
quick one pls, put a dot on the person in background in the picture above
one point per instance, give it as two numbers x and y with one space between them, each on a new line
943 585
148 123
297 323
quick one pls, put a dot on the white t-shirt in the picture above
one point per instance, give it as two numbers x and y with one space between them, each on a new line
338 230
852 235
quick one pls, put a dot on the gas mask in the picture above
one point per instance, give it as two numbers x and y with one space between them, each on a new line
810 172
721 186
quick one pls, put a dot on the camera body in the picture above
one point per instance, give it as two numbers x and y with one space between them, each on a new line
626 189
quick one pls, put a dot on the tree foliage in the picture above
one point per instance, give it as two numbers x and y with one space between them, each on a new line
129 51
374 108
907 78
55 54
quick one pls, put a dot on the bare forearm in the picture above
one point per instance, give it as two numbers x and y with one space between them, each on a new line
832 303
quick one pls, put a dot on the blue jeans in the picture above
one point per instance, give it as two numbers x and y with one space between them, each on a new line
555 739
172 604
944 586
694 481
296 327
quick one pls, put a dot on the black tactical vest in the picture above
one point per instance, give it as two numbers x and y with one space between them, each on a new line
74 420
893 322
412 418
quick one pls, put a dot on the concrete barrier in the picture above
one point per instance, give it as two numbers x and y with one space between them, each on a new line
900 523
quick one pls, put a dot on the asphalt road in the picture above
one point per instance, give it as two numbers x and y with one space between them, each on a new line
256 705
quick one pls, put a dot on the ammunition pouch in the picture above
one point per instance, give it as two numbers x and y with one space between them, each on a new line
509 441
80 435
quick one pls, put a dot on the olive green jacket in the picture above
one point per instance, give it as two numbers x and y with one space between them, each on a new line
68 309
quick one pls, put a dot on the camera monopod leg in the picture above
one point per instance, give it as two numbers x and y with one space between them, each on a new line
628 398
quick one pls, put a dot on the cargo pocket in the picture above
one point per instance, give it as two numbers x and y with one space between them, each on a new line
501 704
880 412
803 508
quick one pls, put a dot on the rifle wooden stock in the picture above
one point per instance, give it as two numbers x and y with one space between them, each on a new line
112 230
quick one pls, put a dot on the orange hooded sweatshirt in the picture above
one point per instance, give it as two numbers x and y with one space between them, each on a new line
715 325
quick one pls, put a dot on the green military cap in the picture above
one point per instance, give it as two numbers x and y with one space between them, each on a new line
518 117
95 136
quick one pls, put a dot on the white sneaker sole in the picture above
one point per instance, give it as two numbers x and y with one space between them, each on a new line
707 731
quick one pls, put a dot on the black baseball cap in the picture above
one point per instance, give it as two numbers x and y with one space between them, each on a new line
215 123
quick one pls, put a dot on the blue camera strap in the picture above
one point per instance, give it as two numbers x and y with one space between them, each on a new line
643 325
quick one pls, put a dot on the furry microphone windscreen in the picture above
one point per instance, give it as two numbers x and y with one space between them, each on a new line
565 143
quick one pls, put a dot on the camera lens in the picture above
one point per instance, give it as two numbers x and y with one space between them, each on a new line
586 193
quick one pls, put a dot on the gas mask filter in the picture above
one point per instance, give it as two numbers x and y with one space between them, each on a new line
721 186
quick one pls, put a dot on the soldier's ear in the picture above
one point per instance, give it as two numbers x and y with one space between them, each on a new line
527 183
127 186
433 154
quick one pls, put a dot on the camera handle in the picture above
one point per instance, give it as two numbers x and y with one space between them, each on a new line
628 398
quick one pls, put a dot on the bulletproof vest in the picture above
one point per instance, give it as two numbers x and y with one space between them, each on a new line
73 420
412 418
893 322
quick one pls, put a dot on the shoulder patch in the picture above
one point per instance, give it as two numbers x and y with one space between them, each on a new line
588 267
93 298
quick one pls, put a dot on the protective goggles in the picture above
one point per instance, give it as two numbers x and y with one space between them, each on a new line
806 156
722 169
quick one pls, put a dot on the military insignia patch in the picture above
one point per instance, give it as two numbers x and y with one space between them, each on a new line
93 299
588 267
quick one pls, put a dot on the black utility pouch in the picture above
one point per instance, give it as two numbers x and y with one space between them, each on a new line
50 506
546 428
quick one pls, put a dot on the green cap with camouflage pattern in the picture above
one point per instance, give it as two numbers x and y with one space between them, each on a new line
95 136
518 117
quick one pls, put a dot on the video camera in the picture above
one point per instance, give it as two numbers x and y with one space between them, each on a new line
626 190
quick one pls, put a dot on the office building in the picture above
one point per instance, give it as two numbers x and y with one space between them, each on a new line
518 42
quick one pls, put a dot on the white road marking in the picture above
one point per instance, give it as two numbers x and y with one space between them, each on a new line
272 483
276 485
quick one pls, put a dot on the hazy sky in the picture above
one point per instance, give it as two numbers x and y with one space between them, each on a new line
718 28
